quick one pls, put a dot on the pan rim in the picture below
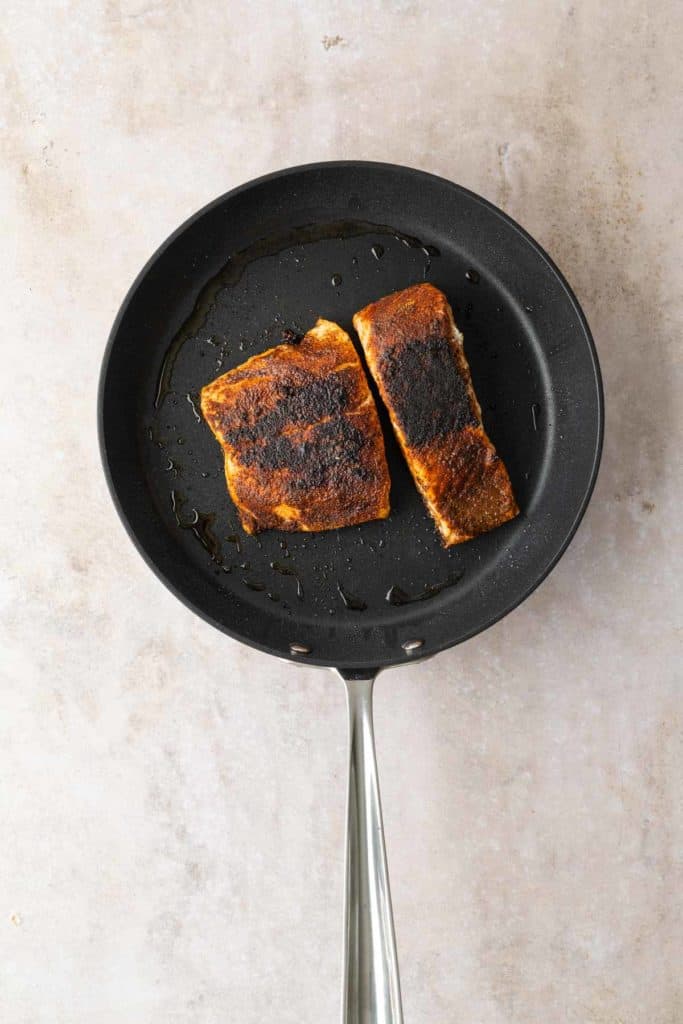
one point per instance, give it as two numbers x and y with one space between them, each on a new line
400 659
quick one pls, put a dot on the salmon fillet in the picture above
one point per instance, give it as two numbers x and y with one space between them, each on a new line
301 436
415 353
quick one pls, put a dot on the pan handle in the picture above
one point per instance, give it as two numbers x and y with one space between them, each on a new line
372 993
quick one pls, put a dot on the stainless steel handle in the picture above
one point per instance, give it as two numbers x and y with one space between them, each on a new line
372 993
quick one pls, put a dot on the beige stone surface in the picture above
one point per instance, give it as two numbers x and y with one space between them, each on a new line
172 803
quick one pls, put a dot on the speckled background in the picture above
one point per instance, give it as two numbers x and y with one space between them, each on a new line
173 803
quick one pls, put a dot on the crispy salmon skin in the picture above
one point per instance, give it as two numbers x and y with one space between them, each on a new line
299 430
415 354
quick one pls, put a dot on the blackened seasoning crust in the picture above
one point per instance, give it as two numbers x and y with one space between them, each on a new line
416 355
329 453
428 396
301 437
306 402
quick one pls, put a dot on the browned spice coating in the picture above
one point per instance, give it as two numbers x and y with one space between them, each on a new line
415 353
302 441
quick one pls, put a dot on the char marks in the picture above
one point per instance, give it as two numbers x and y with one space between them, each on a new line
427 394
328 455
301 400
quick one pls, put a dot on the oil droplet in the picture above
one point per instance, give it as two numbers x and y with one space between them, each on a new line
529 309
355 604
336 280
397 595
428 251
232 538
535 414
202 529
472 276
200 524
155 438
254 585
377 251
220 358
242 345
288 570
192 399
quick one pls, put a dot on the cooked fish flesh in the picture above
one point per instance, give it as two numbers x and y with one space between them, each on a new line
301 437
415 353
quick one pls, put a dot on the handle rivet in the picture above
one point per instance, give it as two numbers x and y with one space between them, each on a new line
299 649
412 645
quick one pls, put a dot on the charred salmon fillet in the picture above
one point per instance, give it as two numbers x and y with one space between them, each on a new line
299 430
415 353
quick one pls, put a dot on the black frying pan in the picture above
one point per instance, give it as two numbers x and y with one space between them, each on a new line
324 240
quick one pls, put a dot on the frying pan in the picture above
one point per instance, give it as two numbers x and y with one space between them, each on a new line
275 254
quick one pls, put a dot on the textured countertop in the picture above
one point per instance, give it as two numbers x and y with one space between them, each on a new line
173 803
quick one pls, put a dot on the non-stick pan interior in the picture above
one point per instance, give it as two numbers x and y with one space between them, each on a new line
324 241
